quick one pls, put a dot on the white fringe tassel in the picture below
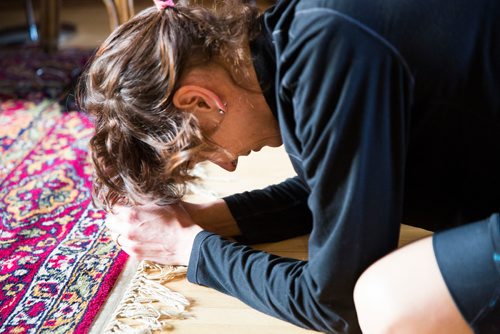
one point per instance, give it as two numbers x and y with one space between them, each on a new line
148 305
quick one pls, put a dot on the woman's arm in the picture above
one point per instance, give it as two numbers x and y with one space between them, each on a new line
274 213
213 216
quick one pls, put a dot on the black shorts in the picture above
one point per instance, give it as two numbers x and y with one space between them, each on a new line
469 259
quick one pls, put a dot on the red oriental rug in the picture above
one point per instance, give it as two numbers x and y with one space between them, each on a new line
57 261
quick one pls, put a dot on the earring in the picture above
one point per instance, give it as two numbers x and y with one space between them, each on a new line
222 111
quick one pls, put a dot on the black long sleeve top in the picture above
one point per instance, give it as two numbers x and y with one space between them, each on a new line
390 112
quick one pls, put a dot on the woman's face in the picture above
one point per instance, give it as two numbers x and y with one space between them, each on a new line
246 126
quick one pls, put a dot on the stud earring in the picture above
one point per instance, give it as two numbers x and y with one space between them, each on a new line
221 112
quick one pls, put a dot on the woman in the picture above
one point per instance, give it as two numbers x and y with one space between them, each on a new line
389 112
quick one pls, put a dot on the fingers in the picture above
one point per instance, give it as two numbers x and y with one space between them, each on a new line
119 224
123 221
132 235
162 234
150 252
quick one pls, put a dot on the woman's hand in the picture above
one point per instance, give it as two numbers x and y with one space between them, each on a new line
163 234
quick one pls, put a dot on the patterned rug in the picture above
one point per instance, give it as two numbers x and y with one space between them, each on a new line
28 73
57 261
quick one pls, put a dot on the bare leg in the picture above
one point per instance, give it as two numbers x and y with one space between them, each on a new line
404 292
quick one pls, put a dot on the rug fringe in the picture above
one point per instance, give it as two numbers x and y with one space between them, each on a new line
148 305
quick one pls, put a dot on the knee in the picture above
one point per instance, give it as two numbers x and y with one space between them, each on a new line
378 308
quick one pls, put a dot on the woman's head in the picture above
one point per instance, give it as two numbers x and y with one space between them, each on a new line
143 144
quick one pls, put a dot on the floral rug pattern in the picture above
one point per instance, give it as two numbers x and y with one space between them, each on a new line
57 261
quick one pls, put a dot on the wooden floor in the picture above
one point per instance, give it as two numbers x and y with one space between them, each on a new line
213 312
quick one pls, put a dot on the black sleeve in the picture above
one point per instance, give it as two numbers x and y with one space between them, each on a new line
350 93
275 213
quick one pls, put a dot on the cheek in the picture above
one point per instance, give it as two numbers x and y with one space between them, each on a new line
231 141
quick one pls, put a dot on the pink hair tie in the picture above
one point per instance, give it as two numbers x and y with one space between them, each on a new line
163 4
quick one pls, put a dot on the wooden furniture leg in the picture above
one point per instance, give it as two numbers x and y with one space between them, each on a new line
119 11
50 24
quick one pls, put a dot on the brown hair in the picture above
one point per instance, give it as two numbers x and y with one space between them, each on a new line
142 144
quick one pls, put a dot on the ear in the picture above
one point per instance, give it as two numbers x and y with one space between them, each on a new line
203 103
197 99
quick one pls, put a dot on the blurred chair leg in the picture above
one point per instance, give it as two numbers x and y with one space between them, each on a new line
119 12
50 25
125 9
